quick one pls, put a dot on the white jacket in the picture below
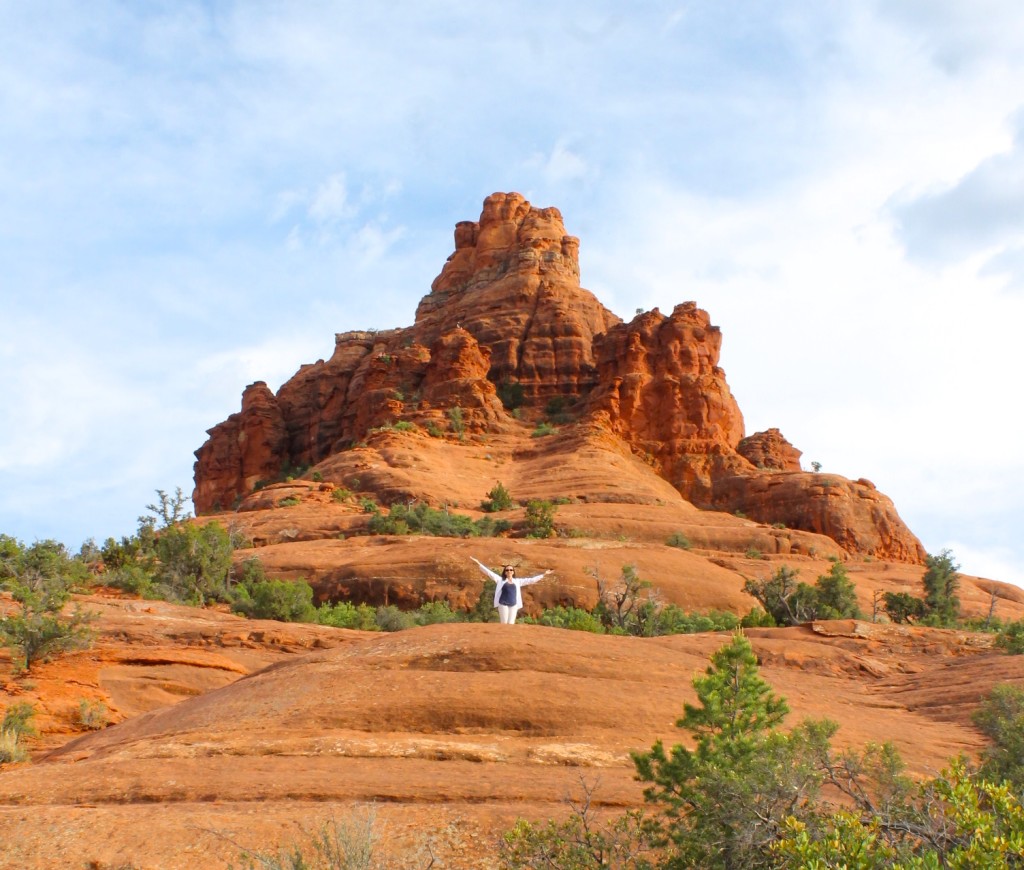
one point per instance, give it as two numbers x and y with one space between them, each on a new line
519 582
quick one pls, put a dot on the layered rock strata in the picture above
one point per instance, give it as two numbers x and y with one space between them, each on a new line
507 332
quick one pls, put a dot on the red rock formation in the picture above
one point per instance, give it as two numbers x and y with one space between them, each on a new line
508 309
770 451
661 390
853 513
247 447
513 282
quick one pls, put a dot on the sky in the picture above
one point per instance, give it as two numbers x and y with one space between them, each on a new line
198 195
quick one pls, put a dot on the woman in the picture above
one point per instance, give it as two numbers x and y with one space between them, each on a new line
507 595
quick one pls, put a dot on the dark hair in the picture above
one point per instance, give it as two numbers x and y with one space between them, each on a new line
511 568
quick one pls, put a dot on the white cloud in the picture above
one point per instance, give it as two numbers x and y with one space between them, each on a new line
561 165
982 211
330 202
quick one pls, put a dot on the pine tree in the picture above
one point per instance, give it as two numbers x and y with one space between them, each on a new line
723 802
941 582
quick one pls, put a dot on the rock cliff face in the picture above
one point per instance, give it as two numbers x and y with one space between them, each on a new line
770 450
507 335
513 282
662 391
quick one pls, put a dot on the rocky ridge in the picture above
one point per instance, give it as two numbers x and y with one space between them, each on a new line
508 338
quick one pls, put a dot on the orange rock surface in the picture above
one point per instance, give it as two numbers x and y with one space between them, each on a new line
452 731
507 316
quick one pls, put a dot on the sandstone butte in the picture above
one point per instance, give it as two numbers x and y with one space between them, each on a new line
229 733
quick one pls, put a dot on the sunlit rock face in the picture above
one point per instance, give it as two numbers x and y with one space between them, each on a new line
507 338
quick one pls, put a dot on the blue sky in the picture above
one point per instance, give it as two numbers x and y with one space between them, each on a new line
197 195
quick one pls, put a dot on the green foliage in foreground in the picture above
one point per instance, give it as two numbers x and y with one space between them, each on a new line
749 795
1001 719
586 840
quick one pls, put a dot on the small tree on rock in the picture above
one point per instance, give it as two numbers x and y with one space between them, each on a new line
723 802
40 579
941 582
836 595
902 607
540 518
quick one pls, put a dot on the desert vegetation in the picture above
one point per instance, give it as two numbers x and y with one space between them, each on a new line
40 578
746 793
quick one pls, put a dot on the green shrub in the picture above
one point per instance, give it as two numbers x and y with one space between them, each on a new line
369 506
902 606
498 499
341 494
283 600
405 426
488 528
194 561
289 501
673 620
390 618
789 602
344 614
941 582
753 553
133 578
540 518
1001 719
556 406
40 578
484 610
123 553
543 429
456 422
434 431
511 394
17 723
721 803
678 539
572 618
91 715
433 612
626 606
1011 637
18 719
421 519
836 596
585 841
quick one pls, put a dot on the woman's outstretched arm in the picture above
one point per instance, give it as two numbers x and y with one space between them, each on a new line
496 578
526 581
